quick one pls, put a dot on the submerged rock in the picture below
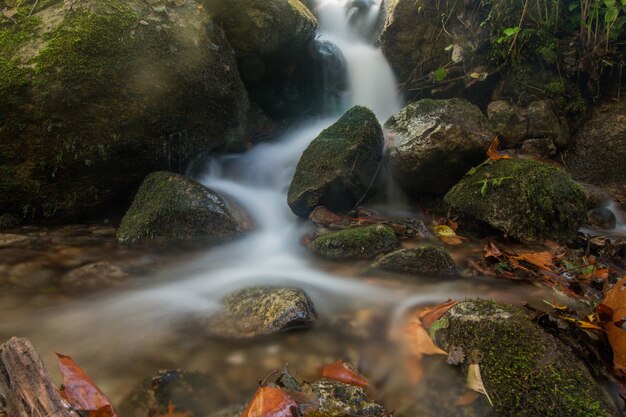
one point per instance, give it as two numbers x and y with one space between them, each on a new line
261 311
598 151
337 169
526 371
356 243
528 200
169 205
425 260
93 276
434 143
97 95
189 392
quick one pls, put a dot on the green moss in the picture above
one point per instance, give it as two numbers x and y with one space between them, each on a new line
536 201
526 371
339 166
357 242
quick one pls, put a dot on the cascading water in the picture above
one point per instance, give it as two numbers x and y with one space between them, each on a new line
257 180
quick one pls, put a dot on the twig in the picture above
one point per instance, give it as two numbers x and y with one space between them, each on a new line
34 7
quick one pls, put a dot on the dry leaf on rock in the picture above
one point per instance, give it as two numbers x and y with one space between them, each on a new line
475 381
344 372
493 153
615 299
270 402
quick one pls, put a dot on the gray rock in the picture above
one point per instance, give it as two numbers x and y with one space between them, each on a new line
171 206
425 260
339 166
541 148
598 150
335 398
92 101
509 121
529 200
434 143
356 243
259 311
601 218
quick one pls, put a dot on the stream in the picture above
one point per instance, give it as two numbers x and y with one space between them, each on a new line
124 335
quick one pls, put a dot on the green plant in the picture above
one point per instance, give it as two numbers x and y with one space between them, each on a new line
493 182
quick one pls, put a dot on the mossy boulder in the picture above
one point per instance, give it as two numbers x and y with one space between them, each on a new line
97 94
424 260
598 151
356 243
266 27
529 200
259 311
339 166
171 206
526 371
434 143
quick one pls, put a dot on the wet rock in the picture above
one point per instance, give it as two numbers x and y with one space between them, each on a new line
92 96
540 148
596 196
544 122
414 54
601 218
8 220
189 392
264 27
339 166
425 260
335 398
526 371
9 240
261 311
171 206
529 200
434 143
93 276
598 150
509 121
356 243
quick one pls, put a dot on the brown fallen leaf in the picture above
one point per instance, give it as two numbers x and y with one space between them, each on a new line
581 323
344 372
615 299
81 392
492 251
429 315
270 402
493 153
475 381
542 260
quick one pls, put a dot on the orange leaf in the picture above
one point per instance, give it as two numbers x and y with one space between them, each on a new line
270 402
616 299
429 315
81 392
542 260
492 251
344 372
493 153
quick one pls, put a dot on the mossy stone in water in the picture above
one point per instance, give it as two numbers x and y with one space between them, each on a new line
171 206
425 260
336 399
337 169
356 243
526 371
528 200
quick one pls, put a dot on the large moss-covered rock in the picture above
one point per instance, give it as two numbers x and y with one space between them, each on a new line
337 169
261 311
599 149
171 206
356 243
526 371
529 200
423 260
94 95
264 27
434 143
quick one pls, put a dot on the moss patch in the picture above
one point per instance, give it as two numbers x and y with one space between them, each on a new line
425 260
356 243
529 200
526 371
